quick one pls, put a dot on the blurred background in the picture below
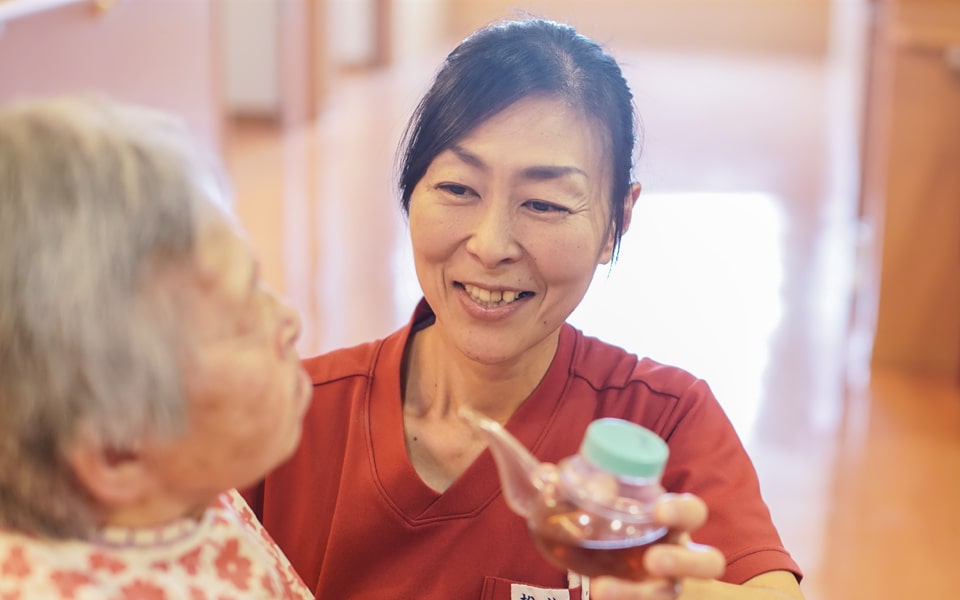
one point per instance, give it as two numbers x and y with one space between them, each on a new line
797 243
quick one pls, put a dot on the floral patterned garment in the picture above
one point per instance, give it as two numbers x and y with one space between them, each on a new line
225 555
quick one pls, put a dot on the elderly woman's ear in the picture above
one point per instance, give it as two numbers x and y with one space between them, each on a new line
113 477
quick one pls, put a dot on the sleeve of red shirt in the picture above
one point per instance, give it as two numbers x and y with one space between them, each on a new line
708 459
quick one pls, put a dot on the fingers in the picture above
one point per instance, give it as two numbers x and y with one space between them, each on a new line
681 512
674 561
669 564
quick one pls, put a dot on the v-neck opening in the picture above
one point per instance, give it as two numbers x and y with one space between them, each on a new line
402 487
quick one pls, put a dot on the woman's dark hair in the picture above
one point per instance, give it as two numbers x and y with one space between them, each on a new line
506 62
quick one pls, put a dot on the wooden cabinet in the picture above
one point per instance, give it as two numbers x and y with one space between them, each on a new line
911 186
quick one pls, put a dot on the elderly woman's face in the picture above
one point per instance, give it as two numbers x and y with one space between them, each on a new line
246 390
508 227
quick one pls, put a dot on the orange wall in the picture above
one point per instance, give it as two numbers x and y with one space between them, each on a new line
793 27
159 53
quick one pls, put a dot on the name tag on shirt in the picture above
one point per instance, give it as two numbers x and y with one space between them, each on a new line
520 591
528 592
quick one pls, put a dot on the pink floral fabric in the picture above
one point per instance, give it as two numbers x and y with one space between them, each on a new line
227 555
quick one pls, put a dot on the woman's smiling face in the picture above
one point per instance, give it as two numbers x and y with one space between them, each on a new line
508 227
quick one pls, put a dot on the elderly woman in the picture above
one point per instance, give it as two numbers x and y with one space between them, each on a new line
516 178
145 370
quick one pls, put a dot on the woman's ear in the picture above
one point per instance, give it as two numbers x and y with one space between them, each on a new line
628 203
629 200
113 477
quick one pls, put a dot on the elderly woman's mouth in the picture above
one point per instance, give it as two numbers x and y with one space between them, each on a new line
493 298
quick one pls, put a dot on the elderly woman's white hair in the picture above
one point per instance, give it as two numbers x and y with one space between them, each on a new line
97 203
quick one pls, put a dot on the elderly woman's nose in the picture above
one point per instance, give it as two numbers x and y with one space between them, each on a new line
492 238
290 326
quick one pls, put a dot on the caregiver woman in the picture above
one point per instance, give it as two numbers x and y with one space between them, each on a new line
516 178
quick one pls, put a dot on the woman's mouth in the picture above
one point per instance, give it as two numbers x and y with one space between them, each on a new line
493 298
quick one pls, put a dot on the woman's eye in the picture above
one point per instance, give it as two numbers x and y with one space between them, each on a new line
540 206
455 189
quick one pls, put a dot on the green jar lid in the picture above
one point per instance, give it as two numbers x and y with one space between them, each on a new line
624 448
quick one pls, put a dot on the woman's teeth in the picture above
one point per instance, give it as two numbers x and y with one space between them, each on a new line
492 297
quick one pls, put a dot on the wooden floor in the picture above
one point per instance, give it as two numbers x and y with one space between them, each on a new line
740 267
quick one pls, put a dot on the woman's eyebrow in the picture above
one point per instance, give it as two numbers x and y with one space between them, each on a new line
547 172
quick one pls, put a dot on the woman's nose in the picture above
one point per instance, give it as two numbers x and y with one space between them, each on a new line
493 239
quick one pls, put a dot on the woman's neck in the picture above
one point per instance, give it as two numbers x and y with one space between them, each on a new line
439 379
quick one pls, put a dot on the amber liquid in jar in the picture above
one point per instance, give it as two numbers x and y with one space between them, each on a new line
566 547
